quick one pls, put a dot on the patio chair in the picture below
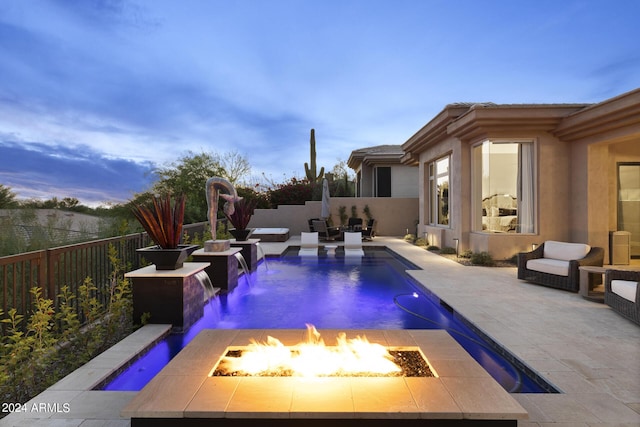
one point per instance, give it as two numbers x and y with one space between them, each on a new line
308 244
325 232
368 233
622 293
353 244
310 221
556 264
355 224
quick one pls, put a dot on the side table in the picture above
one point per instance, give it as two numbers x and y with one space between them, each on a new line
588 276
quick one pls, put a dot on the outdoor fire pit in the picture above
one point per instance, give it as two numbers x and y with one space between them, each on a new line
429 380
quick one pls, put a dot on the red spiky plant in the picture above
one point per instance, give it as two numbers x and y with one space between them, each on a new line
161 220
243 210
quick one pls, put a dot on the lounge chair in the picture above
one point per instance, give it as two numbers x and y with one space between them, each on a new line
325 232
353 244
555 264
308 244
368 233
622 293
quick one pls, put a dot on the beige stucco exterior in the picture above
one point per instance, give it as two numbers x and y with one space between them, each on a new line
404 178
577 148
393 215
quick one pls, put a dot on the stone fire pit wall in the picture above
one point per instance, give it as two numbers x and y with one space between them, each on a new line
463 394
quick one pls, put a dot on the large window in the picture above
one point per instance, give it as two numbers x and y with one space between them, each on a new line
439 192
504 187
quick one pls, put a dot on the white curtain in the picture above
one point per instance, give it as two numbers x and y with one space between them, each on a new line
526 213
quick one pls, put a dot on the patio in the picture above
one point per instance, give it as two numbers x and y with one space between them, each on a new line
584 348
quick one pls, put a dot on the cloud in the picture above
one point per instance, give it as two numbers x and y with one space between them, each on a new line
38 170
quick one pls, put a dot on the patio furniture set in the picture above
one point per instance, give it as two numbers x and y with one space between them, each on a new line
327 233
578 267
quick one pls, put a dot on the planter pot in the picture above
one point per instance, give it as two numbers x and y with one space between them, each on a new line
241 235
167 259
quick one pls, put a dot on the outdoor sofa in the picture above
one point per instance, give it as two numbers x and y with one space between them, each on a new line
622 293
555 264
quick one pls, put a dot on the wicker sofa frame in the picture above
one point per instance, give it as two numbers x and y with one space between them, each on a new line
567 283
623 306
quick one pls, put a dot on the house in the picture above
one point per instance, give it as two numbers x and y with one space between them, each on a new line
501 178
380 172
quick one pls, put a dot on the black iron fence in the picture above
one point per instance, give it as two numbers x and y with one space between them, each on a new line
51 269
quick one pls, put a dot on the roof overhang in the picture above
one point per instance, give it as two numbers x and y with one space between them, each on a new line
385 154
473 121
483 120
615 116
431 133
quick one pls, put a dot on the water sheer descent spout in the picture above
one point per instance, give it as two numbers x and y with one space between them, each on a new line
213 187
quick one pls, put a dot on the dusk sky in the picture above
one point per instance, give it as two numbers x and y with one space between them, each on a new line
94 93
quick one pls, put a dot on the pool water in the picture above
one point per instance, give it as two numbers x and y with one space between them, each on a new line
330 292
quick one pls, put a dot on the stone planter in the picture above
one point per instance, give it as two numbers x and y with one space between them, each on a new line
167 259
241 235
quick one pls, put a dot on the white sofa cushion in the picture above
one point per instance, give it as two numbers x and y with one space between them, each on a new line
551 266
625 288
565 251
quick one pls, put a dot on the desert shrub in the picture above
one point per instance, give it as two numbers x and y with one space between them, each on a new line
261 199
342 213
448 250
433 248
420 242
54 342
466 254
293 192
482 258
409 238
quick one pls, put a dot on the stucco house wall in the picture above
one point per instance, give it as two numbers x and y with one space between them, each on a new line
404 178
577 149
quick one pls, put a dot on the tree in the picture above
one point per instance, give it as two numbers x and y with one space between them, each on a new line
342 185
7 198
235 166
189 176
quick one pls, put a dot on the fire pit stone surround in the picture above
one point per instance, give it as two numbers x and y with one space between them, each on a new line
184 394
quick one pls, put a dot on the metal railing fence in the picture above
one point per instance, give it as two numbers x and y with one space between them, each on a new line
51 269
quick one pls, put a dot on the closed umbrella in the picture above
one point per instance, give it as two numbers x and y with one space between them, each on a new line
326 203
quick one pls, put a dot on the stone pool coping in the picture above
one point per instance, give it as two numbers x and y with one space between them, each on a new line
73 398
183 394
592 357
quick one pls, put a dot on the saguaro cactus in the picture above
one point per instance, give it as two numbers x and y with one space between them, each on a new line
311 171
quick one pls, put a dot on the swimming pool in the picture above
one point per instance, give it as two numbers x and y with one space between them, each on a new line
332 292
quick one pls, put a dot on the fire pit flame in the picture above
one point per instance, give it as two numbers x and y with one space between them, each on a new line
312 357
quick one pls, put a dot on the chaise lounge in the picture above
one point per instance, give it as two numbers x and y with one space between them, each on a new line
622 293
555 264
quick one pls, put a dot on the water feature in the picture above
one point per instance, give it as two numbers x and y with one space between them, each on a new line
244 266
332 293
205 281
262 255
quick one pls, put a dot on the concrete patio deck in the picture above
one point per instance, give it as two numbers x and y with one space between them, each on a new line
584 348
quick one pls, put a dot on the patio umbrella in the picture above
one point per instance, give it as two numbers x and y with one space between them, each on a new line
326 203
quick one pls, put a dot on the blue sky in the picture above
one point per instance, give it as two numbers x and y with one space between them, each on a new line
94 93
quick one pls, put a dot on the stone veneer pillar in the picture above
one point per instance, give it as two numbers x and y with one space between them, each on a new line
249 251
173 297
223 267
